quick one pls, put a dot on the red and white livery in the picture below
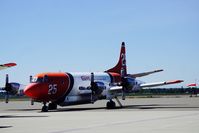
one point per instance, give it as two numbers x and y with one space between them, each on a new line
71 88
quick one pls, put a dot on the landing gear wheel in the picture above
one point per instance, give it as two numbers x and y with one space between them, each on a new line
44 108
110 105
52 106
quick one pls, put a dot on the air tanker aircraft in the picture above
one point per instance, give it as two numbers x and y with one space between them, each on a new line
66 89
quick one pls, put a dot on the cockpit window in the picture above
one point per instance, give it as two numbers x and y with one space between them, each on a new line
37 80
45 79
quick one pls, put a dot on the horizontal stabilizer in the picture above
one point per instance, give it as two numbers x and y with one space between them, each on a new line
144 73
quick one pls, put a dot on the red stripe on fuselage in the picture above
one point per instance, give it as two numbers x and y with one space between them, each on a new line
115 77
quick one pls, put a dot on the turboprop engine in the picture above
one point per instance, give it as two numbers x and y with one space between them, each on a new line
129 84
12 88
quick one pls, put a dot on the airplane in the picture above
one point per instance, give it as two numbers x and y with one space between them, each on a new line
74 88
8 85
81 88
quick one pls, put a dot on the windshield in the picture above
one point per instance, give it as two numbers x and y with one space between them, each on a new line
36 80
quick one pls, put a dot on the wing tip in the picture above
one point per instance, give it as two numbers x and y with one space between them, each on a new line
10 64
175 81
159 70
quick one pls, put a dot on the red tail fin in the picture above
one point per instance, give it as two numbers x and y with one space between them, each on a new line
121 65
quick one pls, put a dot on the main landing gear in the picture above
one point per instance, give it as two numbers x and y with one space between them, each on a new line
44 108
51 106
111 104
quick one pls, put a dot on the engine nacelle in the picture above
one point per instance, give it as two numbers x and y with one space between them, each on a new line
13 88
130 84
97 88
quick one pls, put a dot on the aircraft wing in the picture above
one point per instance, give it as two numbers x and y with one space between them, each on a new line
146 85
160 83
116 88
4 66
144 73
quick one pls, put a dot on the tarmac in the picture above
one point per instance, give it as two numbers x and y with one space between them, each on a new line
158 115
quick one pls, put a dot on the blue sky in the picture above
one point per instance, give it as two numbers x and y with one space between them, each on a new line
85 35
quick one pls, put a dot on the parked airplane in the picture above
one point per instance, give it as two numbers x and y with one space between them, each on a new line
81 88
5 89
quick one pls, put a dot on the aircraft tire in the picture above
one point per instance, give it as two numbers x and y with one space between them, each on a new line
110 105
44 109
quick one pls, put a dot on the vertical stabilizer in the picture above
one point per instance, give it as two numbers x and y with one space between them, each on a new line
121 65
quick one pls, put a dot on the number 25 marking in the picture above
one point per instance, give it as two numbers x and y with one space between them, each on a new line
52 89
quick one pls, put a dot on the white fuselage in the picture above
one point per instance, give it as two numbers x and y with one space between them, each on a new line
81 93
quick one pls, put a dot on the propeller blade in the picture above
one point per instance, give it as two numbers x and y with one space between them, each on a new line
7 78
6 97
92 85
92 78
7 84
123 83
7 89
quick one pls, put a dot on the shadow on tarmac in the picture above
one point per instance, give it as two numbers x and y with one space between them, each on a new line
77 109
5 127
141 107
160 106
129 107
18 116
23 109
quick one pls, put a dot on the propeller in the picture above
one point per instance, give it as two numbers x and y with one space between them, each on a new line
10 88
123 83
92 86
7 89
96 87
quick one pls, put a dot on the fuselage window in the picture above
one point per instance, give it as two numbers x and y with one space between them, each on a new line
82 88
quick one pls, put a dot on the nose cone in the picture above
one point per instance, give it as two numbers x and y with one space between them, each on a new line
36 91
29 90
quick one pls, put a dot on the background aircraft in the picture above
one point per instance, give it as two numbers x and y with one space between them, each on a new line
9 87
81 88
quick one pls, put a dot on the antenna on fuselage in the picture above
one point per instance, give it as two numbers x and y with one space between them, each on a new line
30 78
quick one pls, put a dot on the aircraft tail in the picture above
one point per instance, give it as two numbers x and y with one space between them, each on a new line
121 65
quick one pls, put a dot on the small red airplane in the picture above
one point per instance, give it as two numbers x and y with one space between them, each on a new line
65 89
